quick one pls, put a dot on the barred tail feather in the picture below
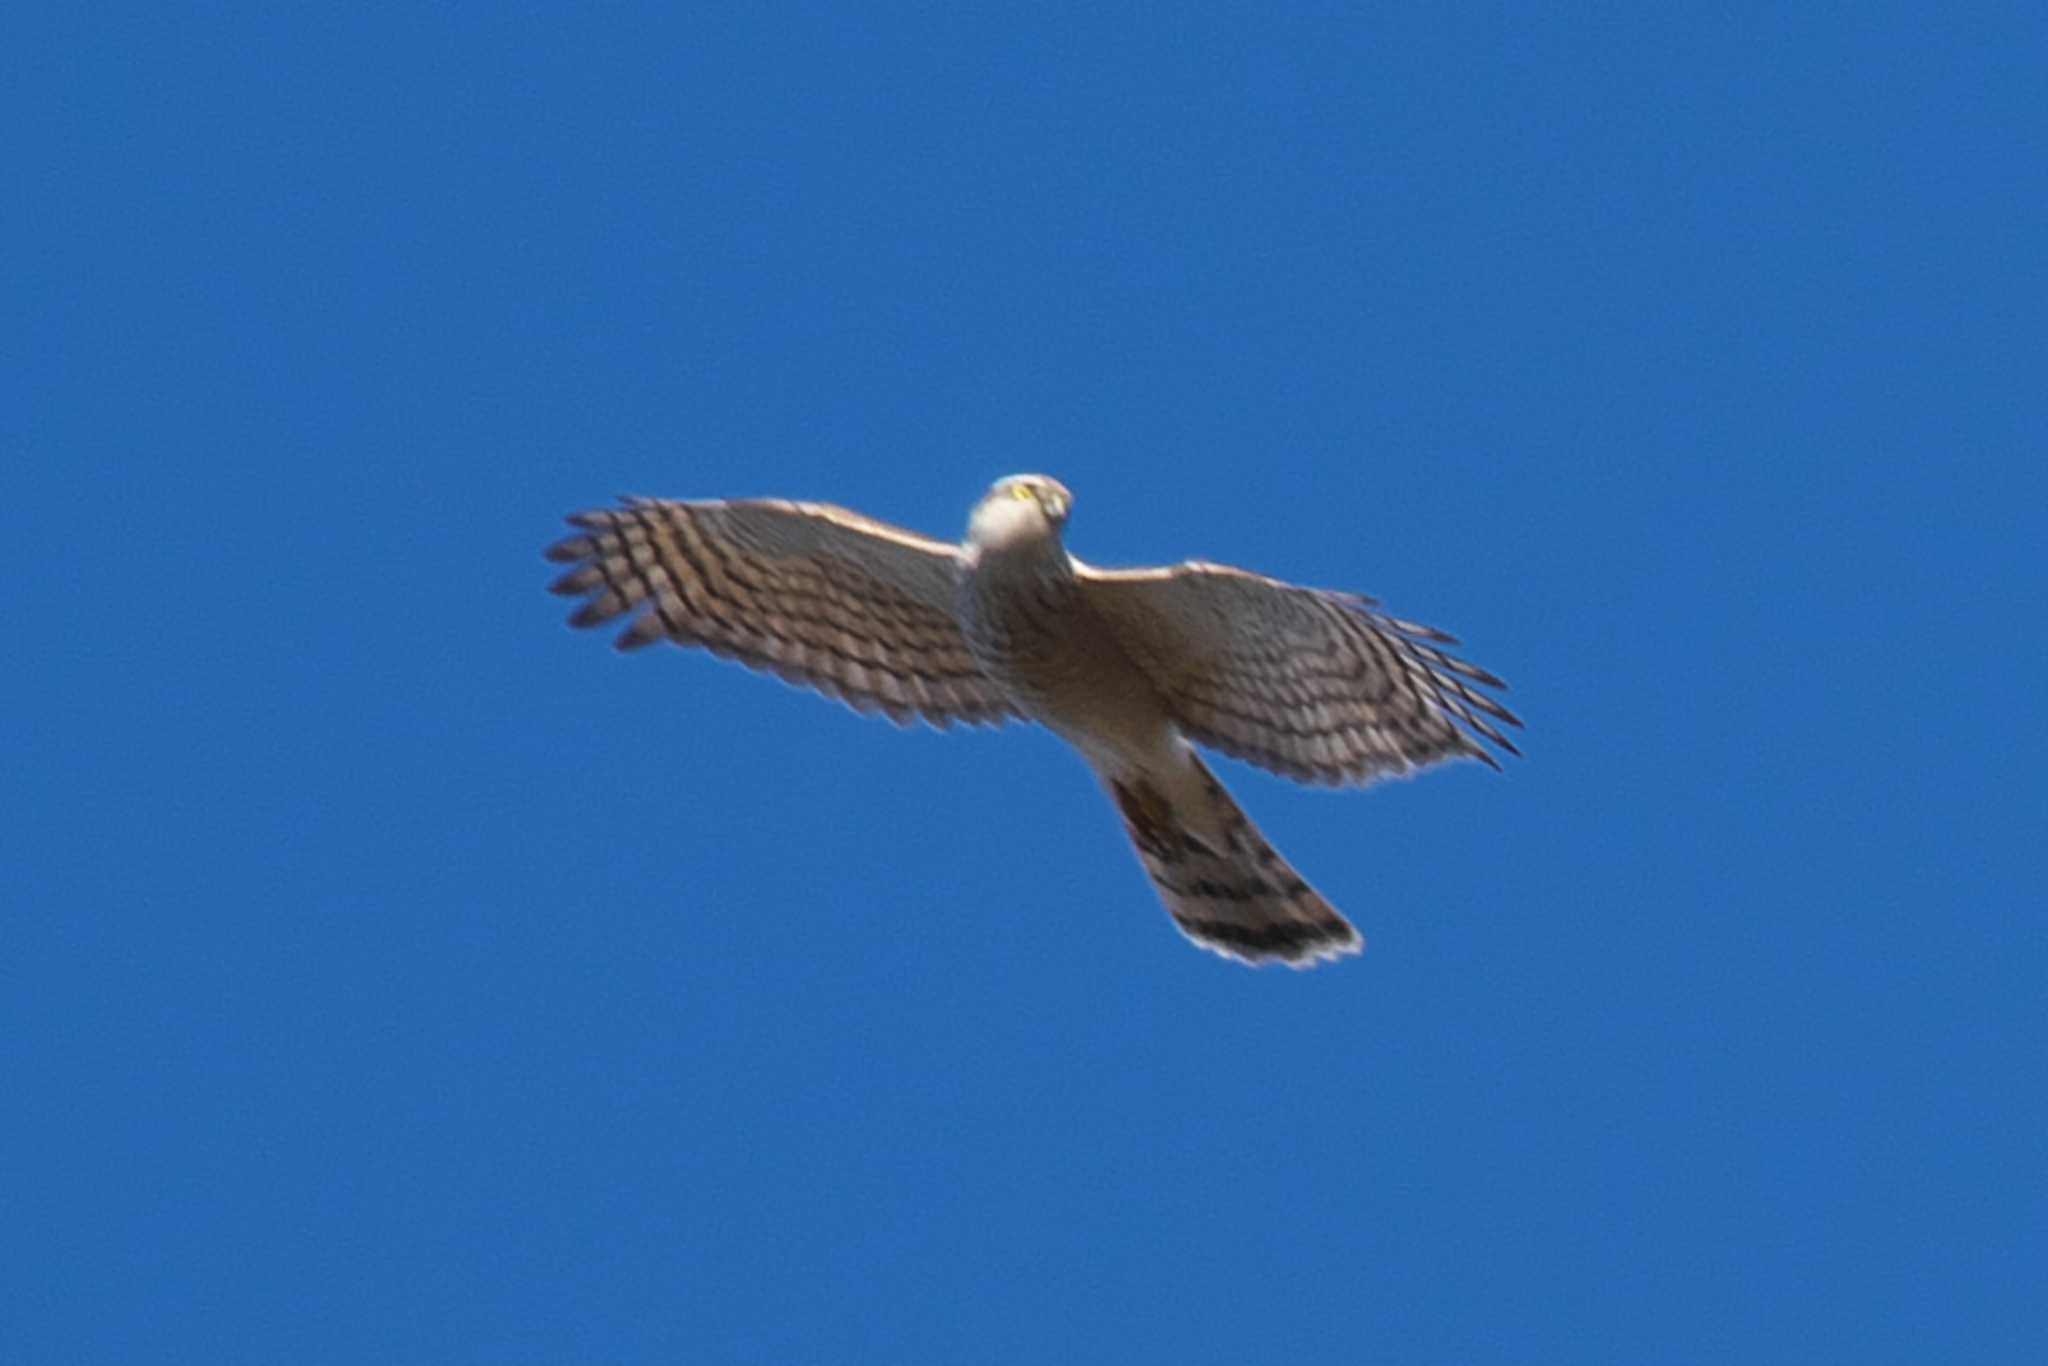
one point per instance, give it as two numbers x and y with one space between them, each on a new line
1225 887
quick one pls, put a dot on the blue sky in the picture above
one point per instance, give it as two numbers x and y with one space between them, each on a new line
394 975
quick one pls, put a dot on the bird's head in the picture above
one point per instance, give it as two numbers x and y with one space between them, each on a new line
1019 511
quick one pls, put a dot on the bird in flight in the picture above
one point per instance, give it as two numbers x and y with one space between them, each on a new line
1132 667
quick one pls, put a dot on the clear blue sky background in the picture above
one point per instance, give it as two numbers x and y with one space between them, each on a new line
394 975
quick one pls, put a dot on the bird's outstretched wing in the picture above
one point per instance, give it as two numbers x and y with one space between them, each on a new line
1318 686
823 597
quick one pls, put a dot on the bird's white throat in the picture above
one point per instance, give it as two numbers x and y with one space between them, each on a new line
1003 523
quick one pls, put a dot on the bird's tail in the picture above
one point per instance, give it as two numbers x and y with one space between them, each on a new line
1225 887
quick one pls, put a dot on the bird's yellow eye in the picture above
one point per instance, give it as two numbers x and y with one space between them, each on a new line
1021 491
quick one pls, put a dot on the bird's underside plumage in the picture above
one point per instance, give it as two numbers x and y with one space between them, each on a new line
1128 665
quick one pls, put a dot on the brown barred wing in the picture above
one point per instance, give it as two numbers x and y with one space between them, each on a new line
1318 686
818 595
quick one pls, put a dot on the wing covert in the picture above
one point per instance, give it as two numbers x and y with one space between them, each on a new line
818 595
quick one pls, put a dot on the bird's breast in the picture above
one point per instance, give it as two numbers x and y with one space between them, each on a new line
1033 633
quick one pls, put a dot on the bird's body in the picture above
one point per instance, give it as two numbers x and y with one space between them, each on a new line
1024 612
1126 666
